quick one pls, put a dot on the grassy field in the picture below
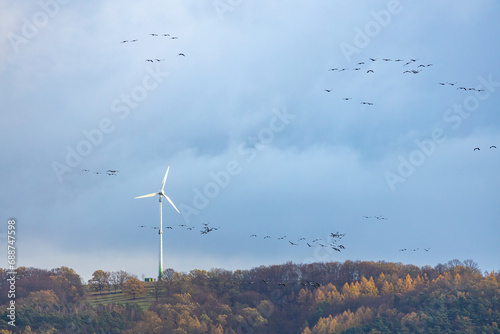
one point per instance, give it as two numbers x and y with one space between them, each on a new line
108 297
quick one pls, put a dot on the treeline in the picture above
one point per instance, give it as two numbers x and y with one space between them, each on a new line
333 297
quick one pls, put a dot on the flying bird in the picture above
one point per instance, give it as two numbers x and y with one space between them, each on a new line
370 71
328 90
493 146
154 34
182 54
477 149
293 244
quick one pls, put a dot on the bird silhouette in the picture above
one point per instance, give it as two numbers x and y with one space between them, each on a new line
493 146
154 34
370 71
293 244
328 90
182 54
477 149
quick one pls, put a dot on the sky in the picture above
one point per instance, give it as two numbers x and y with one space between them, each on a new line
255 142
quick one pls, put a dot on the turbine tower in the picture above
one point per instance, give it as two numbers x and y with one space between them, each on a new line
161 194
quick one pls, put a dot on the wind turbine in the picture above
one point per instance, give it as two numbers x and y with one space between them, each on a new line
161 194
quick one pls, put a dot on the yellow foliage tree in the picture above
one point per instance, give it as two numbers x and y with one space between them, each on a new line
408 284
133 287
350 292
306 331
368 287
319 296
41 300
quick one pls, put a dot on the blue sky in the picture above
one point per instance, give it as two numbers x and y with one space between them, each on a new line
254 143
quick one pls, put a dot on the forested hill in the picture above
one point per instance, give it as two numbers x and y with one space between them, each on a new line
349 297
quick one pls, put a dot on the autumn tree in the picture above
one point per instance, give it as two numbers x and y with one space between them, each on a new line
134 287
99 280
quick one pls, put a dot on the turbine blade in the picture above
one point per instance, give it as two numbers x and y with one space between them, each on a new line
164 179
170 201
148 195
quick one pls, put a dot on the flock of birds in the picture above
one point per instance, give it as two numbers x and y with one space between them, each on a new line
268 282
362 66
413 250
478 149
109 172
152 60
376 217
206 228
461 87
332 243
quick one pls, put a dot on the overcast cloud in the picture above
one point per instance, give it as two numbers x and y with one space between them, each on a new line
254 143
